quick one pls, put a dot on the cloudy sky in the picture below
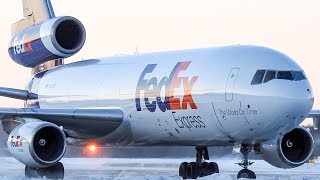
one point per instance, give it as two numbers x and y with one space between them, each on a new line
119 27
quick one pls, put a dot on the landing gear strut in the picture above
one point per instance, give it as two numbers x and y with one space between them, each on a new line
53 172
245 172
200 168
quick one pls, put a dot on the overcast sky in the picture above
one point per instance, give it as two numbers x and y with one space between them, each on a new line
119 26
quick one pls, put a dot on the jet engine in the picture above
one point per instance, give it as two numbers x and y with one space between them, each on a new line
37 144
316 137
289 151
56 38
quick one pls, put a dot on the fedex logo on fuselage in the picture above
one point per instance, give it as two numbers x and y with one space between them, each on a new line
153 87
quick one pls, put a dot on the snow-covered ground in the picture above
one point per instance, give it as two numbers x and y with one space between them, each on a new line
156 169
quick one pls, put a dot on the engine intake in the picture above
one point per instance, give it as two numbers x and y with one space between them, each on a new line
57 38
67 35
37 144
289 151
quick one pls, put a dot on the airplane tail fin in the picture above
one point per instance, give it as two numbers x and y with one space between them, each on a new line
35 12
42 41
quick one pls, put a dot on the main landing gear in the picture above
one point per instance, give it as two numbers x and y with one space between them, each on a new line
200 168
245 172
53 172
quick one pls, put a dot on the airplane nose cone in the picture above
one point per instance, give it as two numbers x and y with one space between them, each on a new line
307 93
301 102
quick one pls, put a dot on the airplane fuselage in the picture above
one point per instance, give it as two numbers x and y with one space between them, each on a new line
249 97
191 97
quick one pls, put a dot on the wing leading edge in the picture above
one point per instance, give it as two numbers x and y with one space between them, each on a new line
315 115
77 123
17 93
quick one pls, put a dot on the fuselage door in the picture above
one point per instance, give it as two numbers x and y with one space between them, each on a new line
230 83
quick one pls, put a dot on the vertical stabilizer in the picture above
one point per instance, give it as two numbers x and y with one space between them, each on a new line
35 12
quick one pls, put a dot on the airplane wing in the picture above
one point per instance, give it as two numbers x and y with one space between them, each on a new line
77 123
17 93
315 115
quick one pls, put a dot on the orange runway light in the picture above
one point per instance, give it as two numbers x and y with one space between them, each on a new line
92 148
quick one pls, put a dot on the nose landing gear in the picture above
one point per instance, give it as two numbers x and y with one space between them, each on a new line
245 172
200 168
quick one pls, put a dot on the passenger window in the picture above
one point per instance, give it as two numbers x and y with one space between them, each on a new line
285 75
257 79
269 76
298 75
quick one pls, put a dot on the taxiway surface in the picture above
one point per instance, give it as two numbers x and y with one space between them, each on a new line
155 169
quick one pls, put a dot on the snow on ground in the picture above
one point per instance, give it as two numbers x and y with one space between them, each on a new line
156 169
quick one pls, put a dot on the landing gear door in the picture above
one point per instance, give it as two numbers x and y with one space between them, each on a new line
230 83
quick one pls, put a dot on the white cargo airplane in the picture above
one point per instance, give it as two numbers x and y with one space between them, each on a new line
249 97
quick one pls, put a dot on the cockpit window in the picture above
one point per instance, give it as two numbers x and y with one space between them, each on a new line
264 76
269 76
258 77
298 75
285 75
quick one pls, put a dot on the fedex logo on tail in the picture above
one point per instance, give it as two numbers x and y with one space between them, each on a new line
22 46
153 87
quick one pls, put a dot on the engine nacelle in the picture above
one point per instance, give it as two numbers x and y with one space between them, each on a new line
289 151
37 144
56 38
316 137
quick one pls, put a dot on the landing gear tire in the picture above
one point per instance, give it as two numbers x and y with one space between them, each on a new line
183 170
214 166
247 174
53 172
193 170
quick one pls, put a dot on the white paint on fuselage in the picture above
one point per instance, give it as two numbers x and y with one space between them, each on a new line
245 114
